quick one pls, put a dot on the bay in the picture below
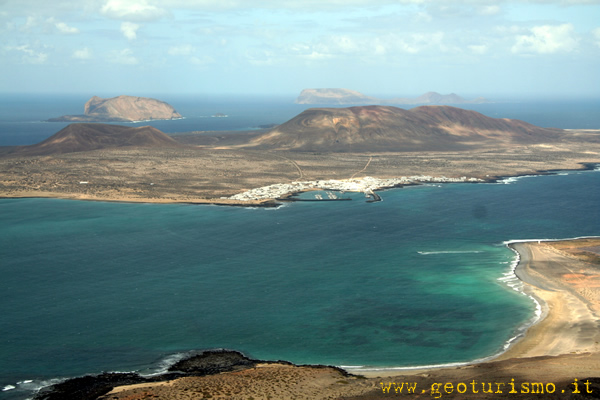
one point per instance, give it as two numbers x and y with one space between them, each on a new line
412 280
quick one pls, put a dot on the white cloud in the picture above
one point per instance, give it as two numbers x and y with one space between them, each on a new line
510 30
30 56
260 57
82 54
368 48
181 50
124 56
329 47
47 26
316 56
575 2
418 42
596 34
129 30
188 51
30 23
489 10
547 39
423 16
201 61
64 28
344 44
132 10
478 49
379 48
318 5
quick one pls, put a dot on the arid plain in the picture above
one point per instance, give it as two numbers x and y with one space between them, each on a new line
207 173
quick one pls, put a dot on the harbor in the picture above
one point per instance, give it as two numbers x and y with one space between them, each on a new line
366 185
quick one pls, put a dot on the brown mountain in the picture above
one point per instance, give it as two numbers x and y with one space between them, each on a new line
90 136
386 128
122 109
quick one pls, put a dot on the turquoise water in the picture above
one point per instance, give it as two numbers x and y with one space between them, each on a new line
412 280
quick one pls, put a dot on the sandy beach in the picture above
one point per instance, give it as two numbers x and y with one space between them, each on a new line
558 357
568 290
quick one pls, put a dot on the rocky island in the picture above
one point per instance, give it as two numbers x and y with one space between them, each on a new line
122 109
347 96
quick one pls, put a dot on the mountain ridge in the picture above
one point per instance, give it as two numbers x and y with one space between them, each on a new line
388 128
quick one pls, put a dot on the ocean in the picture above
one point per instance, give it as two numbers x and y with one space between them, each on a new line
421 278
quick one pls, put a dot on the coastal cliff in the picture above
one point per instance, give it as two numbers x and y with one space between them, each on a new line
122 109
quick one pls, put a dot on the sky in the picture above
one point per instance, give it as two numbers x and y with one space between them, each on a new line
394 48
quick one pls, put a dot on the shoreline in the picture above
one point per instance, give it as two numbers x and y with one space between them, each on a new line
528 341
556 332
357 185
517 346
512 347
561 302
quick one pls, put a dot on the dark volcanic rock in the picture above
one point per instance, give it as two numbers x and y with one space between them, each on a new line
213 362
91 387
87 387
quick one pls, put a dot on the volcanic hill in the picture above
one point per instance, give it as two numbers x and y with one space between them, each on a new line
386 128
122 109
91 136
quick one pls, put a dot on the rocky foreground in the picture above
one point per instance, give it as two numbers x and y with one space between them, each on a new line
93 386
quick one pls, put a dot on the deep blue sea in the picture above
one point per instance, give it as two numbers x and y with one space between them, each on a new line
417 279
